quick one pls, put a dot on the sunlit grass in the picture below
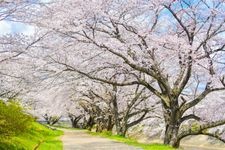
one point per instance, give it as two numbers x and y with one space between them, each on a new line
37 136
132 142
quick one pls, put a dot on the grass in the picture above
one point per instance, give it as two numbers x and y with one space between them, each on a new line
37 137
132 142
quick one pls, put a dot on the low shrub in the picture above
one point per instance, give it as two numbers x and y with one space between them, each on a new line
13 120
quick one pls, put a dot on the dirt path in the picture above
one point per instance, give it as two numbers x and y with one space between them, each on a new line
194 147
80 140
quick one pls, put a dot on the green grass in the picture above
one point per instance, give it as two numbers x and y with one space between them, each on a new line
132 142
37 136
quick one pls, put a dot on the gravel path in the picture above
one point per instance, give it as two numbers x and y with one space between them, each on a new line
80 140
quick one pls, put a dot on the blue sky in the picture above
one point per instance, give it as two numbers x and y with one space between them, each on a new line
7 27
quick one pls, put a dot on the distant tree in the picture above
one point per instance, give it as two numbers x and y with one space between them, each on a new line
75 119
114 106
51 120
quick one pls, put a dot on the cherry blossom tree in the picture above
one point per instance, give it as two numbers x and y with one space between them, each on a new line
76 113
14 48
11 72
136 42
112 105
133 106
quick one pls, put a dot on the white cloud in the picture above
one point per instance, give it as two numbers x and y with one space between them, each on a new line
5 27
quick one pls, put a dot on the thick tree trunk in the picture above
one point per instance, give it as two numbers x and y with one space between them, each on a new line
172 118
171 136
168 134
176 143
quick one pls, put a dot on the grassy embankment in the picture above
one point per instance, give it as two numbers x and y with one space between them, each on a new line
37 137
132 142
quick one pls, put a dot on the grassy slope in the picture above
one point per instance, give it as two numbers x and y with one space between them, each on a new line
132 142
37 136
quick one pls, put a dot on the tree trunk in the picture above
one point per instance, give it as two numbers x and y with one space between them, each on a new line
123 131
171 136
110 123
118 128
168 134
99 125
123 127
90 123
116 111
172 118
74 123
74 120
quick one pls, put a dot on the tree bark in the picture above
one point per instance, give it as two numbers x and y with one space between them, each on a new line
171 135
90 123
115 111
74 121
110 123
172 118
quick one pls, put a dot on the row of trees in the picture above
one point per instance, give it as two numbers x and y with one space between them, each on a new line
109 106
142 59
